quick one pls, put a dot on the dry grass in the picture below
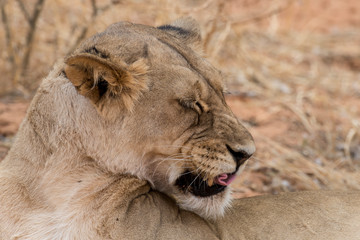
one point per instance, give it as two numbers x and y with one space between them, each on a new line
296 88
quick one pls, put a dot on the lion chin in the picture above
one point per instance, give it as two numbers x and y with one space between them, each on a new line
208 198
208 203
210 207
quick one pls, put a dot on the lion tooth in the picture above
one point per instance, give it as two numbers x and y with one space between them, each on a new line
210 182
204 177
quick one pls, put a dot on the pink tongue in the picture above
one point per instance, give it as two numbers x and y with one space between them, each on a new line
225 179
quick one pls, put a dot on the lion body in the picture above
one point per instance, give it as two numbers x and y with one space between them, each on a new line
112 136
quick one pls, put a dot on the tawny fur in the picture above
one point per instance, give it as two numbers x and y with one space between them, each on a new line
115 124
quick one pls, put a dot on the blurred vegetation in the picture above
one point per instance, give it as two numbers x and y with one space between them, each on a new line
293 72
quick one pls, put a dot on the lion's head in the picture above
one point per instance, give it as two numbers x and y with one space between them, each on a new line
163 107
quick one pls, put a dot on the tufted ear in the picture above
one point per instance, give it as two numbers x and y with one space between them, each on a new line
187 29
108 83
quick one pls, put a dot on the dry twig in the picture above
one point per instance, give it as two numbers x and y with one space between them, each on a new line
29 42
19 66
94 14
8 38
262 15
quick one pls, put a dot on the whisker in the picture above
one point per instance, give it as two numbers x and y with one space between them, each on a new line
192 182
169 146
256 158
172 159
187 172
171 167
160 161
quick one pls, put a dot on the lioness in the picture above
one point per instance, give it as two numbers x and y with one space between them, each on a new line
130 138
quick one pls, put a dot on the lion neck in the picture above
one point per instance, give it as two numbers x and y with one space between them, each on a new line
48 172
49 158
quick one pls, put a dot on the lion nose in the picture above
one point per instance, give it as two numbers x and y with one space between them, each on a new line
240 154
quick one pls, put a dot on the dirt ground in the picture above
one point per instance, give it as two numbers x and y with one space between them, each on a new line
305 119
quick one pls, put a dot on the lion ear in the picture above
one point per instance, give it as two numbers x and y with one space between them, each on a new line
107 82
186 29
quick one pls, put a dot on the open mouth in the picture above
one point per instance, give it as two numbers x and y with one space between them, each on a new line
195 184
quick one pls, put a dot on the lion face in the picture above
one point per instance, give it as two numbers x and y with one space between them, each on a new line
164 108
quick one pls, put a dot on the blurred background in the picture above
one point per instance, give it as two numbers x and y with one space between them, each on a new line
292 67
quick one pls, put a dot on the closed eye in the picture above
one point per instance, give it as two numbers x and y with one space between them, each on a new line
193 105
198 107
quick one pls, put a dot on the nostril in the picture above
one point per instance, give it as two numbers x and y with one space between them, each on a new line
239 156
